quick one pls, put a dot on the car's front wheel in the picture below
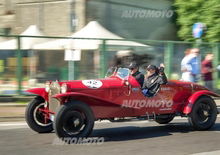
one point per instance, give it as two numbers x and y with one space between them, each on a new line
36 116
203 114
74 120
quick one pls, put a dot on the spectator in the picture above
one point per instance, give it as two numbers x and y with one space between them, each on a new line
195 63
185 67
207 70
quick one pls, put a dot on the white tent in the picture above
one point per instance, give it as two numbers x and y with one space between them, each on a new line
2 39
26 42
58 44
92 30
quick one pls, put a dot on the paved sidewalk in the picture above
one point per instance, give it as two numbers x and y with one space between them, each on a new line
14 113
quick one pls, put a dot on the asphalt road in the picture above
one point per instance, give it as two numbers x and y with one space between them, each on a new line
127 138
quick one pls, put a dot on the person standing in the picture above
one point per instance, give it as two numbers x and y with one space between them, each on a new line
134 68
195 63
207 70
186 67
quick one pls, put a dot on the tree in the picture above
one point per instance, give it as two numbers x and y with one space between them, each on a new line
193 11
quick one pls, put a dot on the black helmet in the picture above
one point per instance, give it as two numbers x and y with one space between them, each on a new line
133 65
151 67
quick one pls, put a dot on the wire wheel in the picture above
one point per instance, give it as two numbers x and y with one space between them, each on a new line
203 114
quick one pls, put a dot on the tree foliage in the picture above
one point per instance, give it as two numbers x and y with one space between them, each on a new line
193 11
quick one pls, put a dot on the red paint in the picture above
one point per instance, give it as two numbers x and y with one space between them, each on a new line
110 100
194 97
46 112
39 91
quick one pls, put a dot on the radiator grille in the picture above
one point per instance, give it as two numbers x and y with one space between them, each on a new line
54 103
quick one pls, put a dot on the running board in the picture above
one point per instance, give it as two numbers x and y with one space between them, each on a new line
149 117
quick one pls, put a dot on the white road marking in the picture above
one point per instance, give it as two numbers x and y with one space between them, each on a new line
13 124
103 121
208 153
24 124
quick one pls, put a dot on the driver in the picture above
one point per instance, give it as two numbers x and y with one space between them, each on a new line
134 68
154 78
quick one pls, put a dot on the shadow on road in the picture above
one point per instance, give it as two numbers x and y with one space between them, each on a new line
133 132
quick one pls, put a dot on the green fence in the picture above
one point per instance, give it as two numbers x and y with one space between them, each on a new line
29 61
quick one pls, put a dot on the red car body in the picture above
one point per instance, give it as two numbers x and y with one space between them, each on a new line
116 97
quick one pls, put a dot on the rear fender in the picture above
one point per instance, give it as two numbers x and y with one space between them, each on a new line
194 97
39 91
84 97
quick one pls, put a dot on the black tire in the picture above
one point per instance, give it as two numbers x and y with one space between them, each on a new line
35 118
164 119
74 120
203 114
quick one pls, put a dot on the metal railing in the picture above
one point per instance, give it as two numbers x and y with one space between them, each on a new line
144 51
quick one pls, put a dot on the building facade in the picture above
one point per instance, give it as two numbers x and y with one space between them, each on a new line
140 19
53 17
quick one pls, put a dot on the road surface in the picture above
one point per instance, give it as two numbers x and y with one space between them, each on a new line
127 138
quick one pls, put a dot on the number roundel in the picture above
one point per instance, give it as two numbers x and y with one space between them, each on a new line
94 84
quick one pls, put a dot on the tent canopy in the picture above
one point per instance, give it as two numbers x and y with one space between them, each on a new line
92 30
26 42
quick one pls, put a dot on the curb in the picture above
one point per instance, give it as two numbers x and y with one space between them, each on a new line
16 98
12 105
14 117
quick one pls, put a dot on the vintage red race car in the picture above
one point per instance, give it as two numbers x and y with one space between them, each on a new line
71 107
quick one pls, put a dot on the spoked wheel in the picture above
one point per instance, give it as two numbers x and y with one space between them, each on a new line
73 122
203 114
164 119
37 116
74 119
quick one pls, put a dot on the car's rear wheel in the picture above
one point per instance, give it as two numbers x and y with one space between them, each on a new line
164 119
36 116
203 114
74 120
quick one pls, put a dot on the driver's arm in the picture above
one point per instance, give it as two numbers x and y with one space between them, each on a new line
140 79
163 77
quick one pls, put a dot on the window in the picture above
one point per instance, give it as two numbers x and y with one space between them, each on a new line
5 31
9 7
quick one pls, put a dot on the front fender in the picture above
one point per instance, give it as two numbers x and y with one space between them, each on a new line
39 91
194 97
84 97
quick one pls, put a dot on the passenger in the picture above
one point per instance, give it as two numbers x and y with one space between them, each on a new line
154 78
136 74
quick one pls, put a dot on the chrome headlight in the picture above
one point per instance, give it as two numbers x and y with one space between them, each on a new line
63 88
47 86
